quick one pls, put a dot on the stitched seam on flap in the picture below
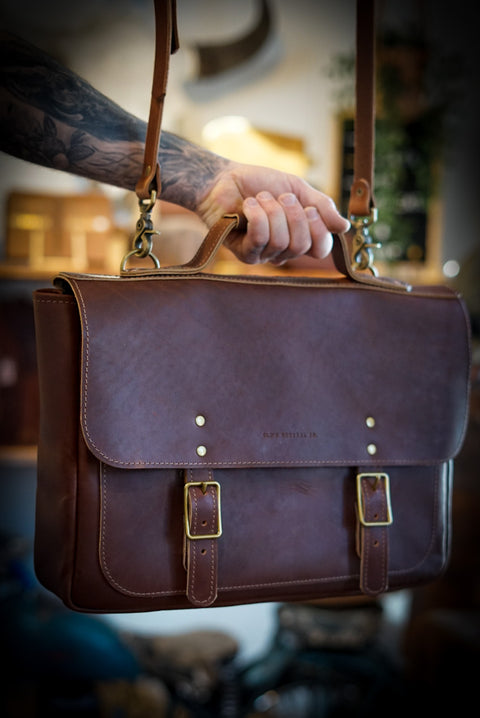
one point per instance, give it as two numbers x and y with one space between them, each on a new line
280 462
341 283
302 581
60 300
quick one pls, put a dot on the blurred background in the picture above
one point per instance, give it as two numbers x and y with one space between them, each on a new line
269 82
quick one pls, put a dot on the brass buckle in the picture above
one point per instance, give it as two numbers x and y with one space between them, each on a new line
203 485
361 513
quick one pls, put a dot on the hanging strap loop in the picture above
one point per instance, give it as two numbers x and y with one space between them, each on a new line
361 194
166 43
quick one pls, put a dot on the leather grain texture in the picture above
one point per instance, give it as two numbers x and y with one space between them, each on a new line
284 374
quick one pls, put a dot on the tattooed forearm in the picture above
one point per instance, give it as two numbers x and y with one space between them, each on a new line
187 170
52 117
32 76
40 138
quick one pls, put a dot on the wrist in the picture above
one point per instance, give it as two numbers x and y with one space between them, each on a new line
188 172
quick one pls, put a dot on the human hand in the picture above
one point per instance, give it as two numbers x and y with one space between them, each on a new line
285 216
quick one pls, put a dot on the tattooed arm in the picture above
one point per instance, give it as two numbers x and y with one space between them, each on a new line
52 117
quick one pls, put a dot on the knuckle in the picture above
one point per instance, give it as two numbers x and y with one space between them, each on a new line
322 246
252 255
279 242
327 202
257 239
303 245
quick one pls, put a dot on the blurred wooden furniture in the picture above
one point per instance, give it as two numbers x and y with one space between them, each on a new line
48 232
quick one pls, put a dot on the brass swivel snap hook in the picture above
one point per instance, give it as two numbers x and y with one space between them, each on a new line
362 245
143 237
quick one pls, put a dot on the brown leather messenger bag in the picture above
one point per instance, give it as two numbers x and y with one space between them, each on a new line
208 440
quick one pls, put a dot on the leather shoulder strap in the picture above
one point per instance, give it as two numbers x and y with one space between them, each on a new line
166 43
361 193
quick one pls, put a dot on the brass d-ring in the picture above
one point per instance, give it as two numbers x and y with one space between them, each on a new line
135 253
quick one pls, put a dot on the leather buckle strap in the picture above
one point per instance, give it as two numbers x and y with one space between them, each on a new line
203 528
374 513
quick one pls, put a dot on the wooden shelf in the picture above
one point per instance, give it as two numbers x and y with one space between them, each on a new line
18 456
22 272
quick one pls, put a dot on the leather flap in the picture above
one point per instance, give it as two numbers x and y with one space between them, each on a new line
279 372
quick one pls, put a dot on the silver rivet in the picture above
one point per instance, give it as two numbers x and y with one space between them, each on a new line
201 450
200 420
372 449
370 422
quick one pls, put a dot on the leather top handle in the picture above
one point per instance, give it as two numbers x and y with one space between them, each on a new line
217 235
166 43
